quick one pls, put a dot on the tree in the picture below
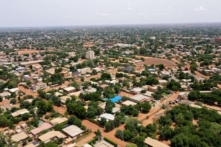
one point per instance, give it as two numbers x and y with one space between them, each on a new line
131 145
76 109
145 107
13 101
25 116
139 140
1 99
42 107
119 134
98 134
109 106
109 125
194 95
73 120
160 66
105 76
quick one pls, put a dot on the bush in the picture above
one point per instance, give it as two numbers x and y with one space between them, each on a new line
110 141
13 101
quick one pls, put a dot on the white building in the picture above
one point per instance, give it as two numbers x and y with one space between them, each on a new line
90 54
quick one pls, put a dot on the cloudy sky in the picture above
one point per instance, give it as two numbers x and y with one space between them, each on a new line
32 13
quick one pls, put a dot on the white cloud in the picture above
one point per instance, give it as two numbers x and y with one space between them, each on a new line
129 8
199 9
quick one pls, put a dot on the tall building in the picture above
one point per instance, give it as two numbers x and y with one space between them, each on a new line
90 54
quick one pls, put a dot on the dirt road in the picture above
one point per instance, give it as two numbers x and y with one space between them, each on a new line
110 135
85 139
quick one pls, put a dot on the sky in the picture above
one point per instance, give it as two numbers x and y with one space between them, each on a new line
39 13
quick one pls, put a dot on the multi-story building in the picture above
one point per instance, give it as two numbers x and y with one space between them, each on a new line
90 54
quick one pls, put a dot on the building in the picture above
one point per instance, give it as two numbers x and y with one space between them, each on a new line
116 99
140 98
19 112
154 143
49 136
103 143
73 131
42 127
107 116
19 137
128 103
90 54
64 99
58 120
69 89
183 95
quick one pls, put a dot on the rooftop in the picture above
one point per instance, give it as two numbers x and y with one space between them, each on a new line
19 112
107 116
73 130
50 135
69 88
58 120
154 143
127 103
18 137
42 127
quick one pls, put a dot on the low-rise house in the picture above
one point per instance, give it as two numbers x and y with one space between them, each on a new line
39 85
154 143
103 143
19 137
19 112
183 95
42 127
128 103
58 120
136 90
73 131
49 136
64 99
14 90
69 89
90 90
36 66
107 116
163 82
140 98
5 94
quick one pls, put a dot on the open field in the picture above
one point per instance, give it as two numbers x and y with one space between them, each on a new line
156 61
28 51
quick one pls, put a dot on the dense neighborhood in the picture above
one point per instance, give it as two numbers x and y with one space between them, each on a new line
153 86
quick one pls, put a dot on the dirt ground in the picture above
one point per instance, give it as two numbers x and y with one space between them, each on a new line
157 111
156 61
28 91
201 75
122 93
85 139
27 51
60 110
110 135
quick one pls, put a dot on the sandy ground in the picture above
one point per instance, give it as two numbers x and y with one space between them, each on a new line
219 86
85 139
28 91
157 111
27 51
201 75
156 61
60 110
122 93
110 135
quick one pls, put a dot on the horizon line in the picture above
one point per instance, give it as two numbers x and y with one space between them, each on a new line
109 25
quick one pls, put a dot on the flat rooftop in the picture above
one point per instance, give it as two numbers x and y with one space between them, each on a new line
73 130
58 120
50 135
18 137
154 143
